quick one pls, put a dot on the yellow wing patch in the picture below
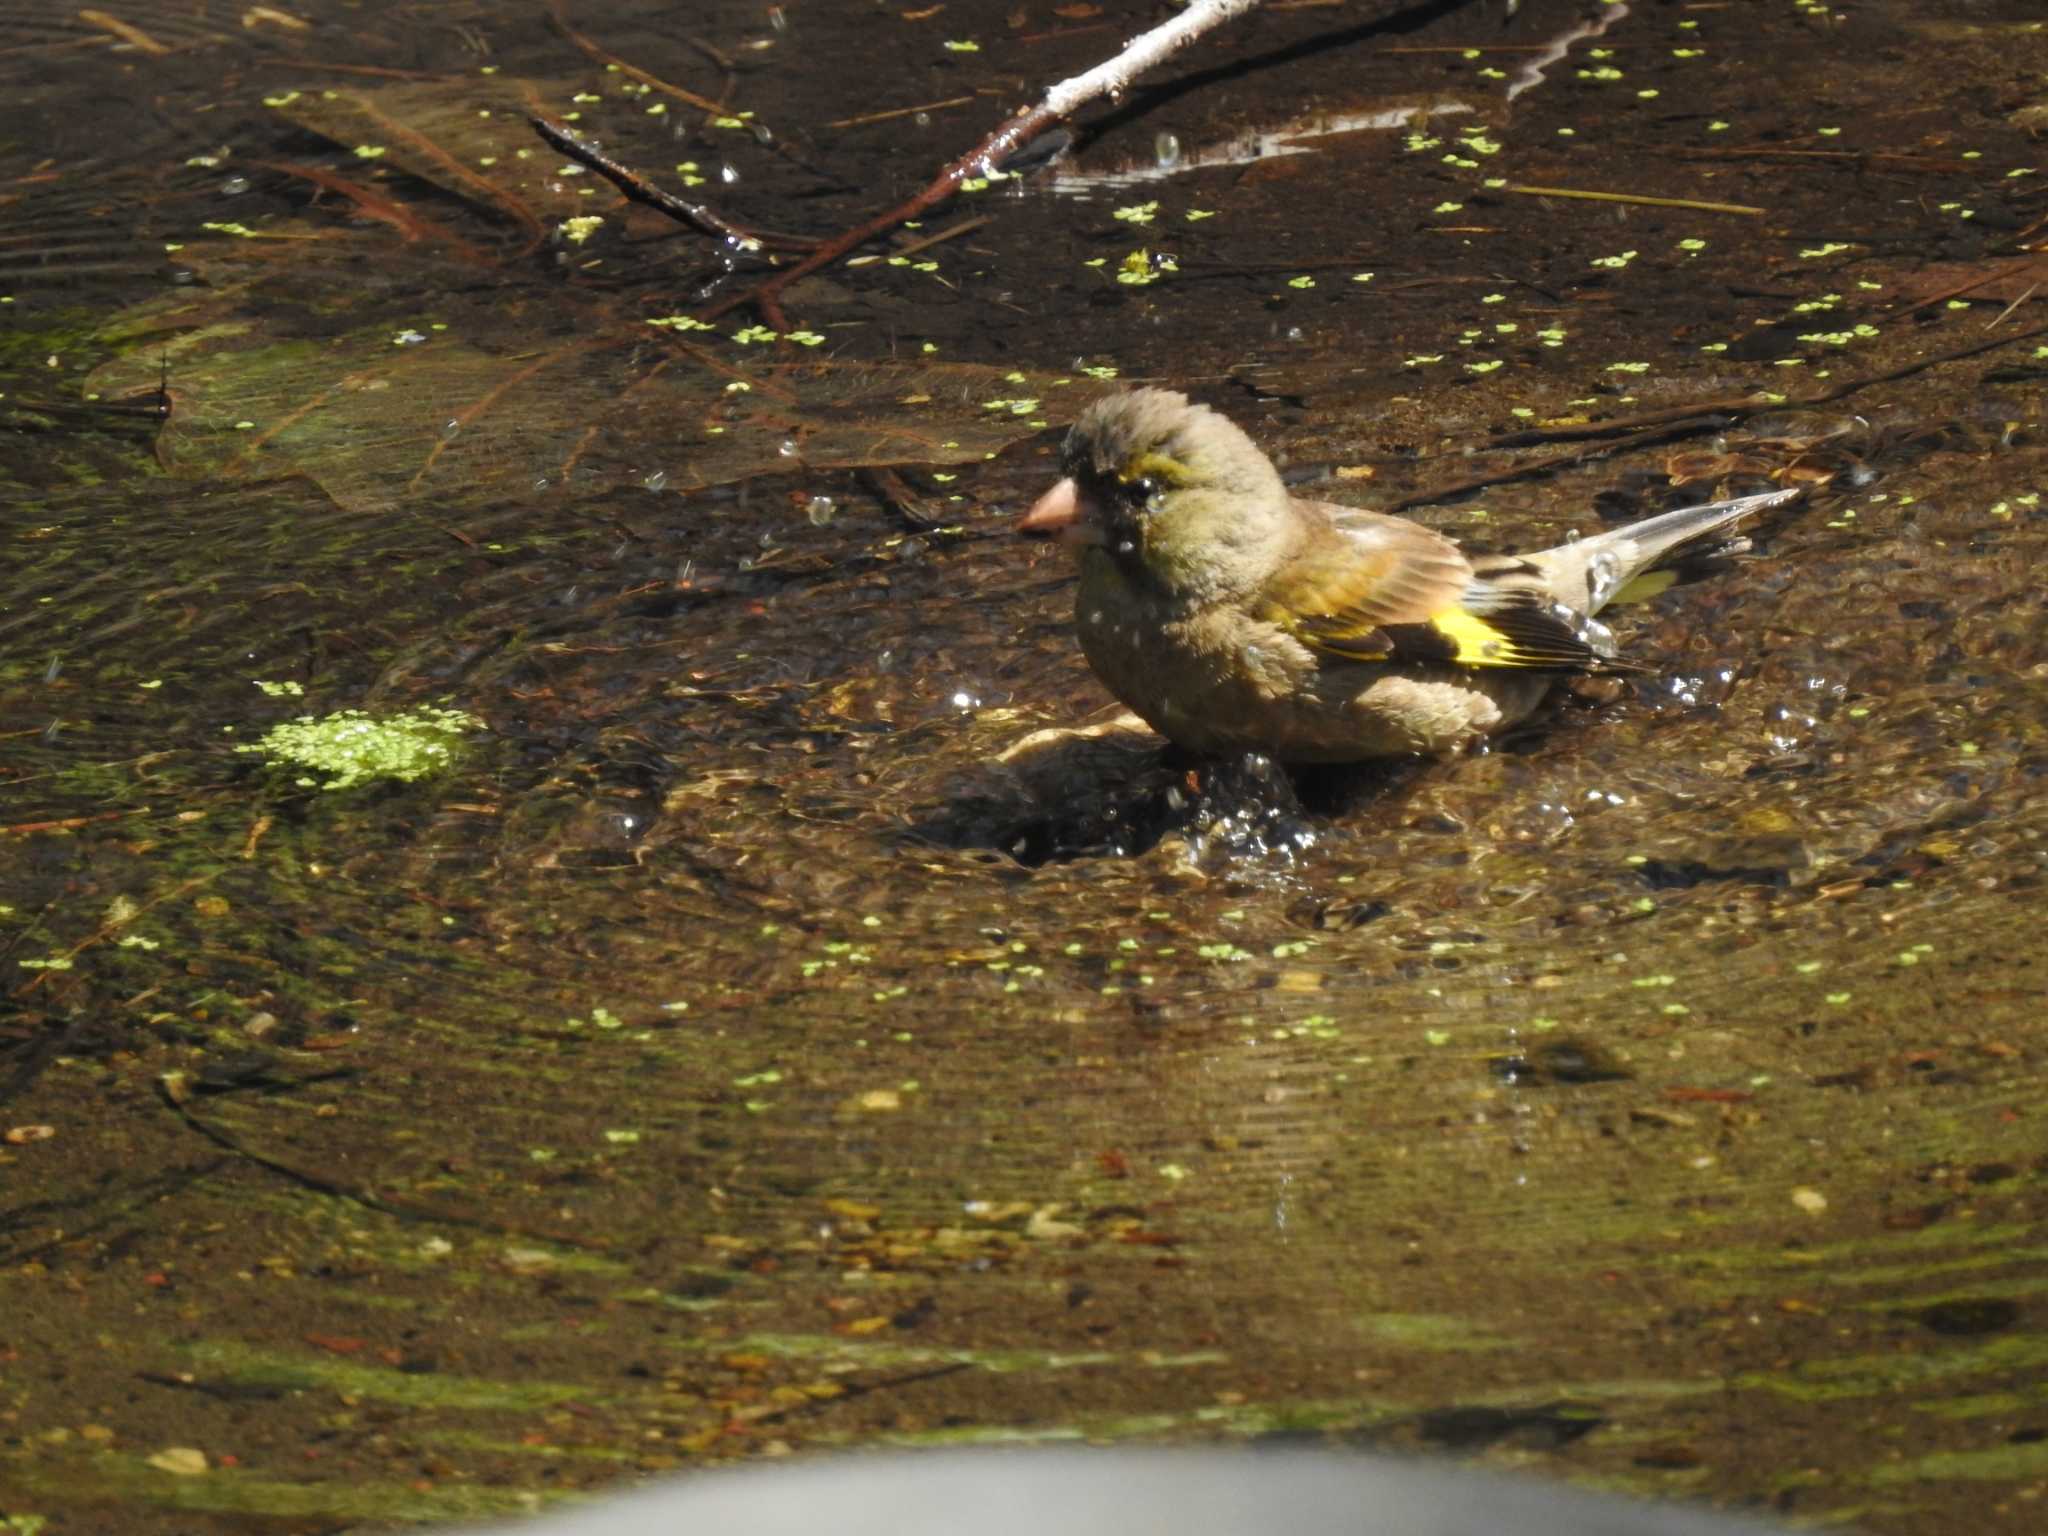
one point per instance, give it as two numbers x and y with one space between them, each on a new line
1474 642
1526 634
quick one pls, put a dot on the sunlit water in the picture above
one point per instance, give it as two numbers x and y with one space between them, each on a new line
786 1020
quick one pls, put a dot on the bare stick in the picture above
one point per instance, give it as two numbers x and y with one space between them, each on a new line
1063 100
895 112
699 216
1643 198
704 104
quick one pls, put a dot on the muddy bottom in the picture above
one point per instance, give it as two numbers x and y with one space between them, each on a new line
733 990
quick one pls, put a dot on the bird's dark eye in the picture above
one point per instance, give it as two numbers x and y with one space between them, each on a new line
1144 489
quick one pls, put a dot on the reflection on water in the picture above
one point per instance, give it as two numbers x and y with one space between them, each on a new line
1296 136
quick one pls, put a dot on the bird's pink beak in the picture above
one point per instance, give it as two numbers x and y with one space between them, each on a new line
1058 513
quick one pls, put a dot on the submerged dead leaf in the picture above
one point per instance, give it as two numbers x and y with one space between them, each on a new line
384 405
286 359
467 136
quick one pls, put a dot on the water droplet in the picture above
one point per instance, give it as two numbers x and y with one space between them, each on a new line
778 18
657 480
1166 149
821 510
450 427
728 174
922 119
234 186
767 541
540 483
965 700
788 448
1294 333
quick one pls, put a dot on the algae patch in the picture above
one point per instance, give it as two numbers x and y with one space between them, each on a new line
352 748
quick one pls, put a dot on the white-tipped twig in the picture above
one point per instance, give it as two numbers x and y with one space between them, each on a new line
1069 96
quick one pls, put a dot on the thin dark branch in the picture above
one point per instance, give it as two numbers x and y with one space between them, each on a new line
1680 420
699 216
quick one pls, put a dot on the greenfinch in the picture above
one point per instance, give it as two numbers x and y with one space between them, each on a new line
1235 618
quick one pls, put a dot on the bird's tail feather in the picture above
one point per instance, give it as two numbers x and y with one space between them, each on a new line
1616 565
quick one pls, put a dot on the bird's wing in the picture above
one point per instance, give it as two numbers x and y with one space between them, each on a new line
1373 588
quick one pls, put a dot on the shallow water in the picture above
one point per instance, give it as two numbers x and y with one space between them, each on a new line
760 1038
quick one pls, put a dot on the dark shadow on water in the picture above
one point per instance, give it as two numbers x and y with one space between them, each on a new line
1084 798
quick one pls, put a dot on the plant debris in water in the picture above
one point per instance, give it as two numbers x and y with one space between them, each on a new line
798 1025
350 748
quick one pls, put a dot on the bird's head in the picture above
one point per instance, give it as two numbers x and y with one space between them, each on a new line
1174 493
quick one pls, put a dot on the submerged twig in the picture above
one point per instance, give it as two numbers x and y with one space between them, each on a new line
1062 100
1870 156
558 12
1638 197
126 31
1984 279
2006 312
951 232
1677 420
375 205
896 112
636 188
361 1194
